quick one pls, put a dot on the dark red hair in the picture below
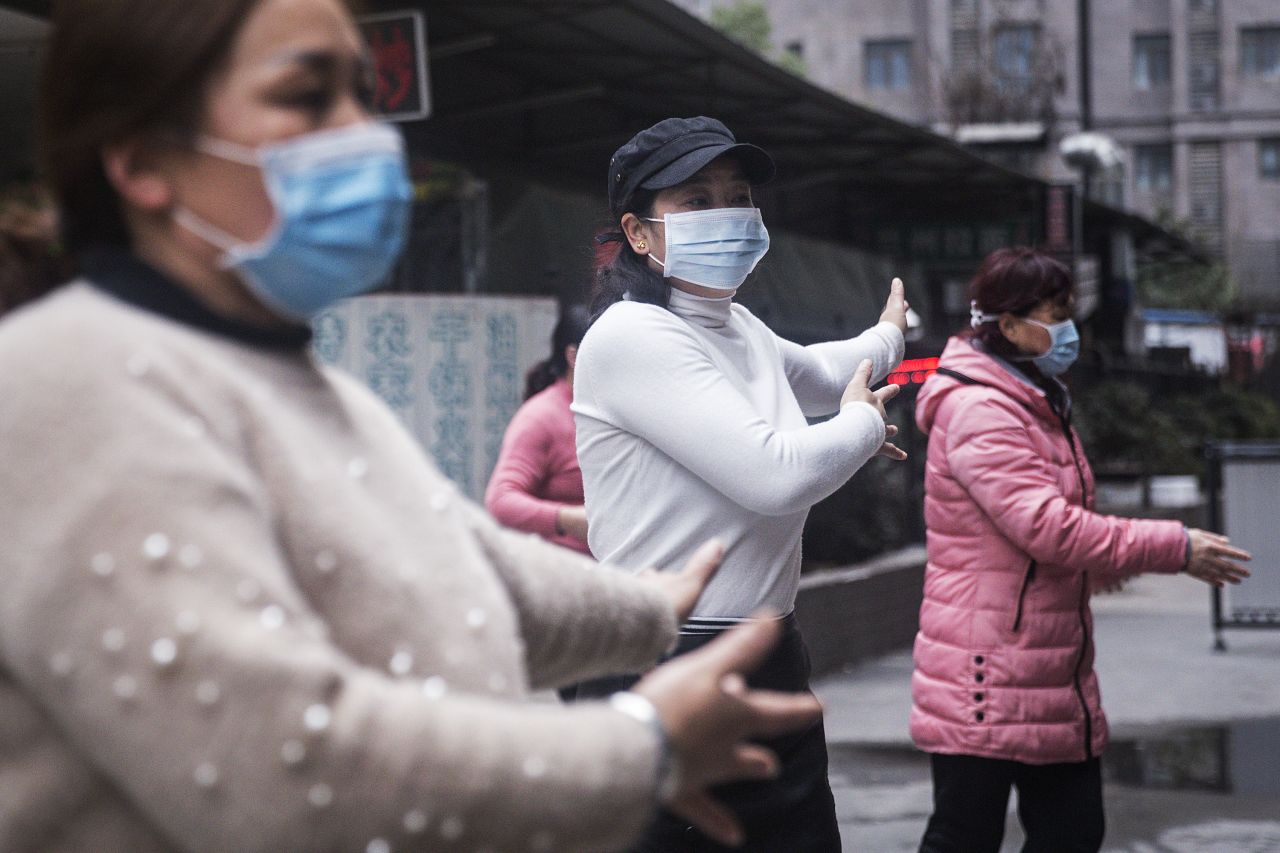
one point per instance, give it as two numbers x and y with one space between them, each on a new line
1015 281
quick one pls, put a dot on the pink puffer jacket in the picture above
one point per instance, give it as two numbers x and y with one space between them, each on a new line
1004 656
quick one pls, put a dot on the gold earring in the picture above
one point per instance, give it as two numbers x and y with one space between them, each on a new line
642 245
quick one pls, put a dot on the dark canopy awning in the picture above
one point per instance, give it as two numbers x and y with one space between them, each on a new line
548 89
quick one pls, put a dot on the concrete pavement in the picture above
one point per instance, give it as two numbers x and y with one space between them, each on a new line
1194 764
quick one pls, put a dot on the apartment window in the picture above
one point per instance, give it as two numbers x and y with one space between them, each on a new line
1260 52
888 65
1150 62
1015 53
1269 159
1153 168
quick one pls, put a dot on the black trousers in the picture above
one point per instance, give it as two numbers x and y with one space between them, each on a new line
794 813
1059 805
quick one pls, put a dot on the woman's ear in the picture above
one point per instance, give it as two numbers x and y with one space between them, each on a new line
636 233
1008 325
131 170
571 355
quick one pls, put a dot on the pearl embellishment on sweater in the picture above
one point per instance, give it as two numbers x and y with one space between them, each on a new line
103 565
434 687
206 775
187 622
317 718
164 652
320 795
125 687
401 663
208 693
113 640
293 753
61 664
156 547
271 617
415 821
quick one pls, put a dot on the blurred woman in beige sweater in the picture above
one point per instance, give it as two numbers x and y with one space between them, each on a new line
241 611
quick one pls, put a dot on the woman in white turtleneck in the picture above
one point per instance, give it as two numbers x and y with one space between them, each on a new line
692 423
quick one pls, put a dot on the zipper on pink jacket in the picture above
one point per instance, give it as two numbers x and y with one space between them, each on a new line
1084 602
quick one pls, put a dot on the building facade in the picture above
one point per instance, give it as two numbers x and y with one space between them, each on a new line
1189 89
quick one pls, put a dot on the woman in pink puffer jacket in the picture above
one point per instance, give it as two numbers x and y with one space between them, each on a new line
1004 692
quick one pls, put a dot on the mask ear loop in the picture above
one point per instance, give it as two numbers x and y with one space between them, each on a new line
660 262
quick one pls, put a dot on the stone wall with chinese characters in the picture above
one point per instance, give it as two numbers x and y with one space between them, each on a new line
451 367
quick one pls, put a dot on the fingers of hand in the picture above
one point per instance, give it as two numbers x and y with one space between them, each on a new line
897 291
774 713
892 451
742 648
862 376
890 430
751 761
887 393
708 816
706 559
1223 549
1229 571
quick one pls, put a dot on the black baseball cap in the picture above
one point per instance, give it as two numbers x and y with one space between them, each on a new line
672 151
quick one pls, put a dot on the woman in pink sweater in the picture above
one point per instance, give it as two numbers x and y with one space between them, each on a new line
1004 691
536 485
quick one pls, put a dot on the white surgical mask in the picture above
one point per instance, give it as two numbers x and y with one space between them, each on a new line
342 199
714 248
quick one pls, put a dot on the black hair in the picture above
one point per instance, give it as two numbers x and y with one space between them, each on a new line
620 272
569 332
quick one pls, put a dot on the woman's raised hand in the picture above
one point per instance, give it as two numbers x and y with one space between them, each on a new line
709 715
895 310
858 391
1212 558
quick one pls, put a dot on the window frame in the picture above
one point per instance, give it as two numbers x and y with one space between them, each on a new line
1143 152
1016 79
1249 49
887 50
1272 145
1151 84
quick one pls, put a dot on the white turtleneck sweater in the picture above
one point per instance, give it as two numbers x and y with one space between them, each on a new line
691 424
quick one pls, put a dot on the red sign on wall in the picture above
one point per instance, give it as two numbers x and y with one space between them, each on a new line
398 43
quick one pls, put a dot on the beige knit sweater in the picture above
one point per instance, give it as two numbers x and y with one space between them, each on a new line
241 611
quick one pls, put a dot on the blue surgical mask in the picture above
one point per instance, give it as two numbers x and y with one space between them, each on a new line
714 248
1064 347
342 199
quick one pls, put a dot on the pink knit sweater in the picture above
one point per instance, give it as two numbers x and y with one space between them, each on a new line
537 471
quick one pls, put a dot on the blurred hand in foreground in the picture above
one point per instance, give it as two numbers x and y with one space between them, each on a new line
709 715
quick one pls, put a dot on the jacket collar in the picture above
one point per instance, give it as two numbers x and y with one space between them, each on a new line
122 274
966 357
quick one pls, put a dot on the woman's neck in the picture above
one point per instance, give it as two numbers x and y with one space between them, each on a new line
196 270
